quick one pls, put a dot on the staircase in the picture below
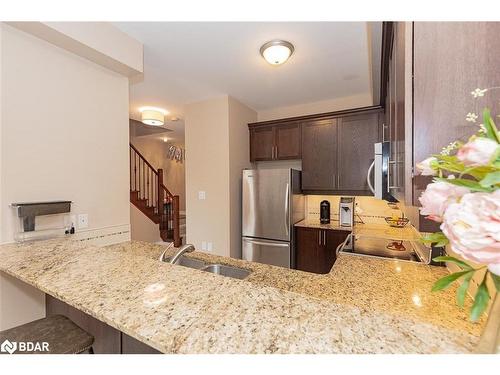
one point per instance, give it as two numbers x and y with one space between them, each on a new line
153 199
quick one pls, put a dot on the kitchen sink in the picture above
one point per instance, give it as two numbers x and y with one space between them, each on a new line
220 269
188 262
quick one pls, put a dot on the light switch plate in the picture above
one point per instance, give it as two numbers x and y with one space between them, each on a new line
209 246
201 195
203 245
83 221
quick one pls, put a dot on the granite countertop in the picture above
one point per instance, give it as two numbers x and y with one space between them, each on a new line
378 230
362 306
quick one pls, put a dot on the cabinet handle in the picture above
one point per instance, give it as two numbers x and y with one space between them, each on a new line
319 237
338 181
324 238
334 180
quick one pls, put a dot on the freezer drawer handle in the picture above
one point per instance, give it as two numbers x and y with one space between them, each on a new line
267 243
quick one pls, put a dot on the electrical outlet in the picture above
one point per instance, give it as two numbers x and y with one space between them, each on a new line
201 195
83 221
203 245
209 246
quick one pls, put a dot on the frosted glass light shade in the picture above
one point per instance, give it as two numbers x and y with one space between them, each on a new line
152 117
276 52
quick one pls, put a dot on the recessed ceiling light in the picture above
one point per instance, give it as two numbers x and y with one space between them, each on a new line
153 116
276 52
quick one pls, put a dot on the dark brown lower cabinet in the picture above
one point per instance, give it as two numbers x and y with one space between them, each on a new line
107 340
316 248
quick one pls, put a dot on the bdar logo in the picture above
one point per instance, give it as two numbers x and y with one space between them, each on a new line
8 347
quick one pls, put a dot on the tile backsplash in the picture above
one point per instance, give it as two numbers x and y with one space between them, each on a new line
368 209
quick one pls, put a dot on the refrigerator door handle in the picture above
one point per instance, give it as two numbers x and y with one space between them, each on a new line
273 244
287 209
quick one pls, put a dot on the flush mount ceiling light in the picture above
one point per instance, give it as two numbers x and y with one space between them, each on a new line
153 116
276 52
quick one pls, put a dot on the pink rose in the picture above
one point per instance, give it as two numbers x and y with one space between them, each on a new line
425 166
479 151
473 228
437 197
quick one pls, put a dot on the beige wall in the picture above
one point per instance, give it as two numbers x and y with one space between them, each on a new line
217 149
207 169
239 158
65 132
142 228
338 104
64 135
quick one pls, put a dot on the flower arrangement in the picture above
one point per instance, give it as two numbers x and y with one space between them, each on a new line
465 198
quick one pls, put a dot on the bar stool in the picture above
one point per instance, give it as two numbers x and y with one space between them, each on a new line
62 335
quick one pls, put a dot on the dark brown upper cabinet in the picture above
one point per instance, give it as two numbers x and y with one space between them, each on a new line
319 155
262 143
336 148
337 152
288 141
273 142
356 138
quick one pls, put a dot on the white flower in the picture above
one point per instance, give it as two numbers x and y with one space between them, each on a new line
428 166
471 117
482 129
478 92
446 150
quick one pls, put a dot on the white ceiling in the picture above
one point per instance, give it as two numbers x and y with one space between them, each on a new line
186 62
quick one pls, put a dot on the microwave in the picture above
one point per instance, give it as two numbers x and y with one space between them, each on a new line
380 171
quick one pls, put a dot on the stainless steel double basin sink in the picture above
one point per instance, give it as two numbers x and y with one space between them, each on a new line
218 269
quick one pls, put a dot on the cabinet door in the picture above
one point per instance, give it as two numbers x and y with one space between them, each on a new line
288 142
262 143
357 136
442 90
319 155
309 250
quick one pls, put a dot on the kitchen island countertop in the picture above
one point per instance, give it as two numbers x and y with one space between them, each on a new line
361 306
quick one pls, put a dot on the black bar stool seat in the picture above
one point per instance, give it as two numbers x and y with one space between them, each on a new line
62 335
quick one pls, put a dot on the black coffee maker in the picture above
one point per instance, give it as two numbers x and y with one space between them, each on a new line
324 212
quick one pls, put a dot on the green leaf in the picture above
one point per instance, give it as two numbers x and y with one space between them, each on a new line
446 281
496 281
489 124
491 179
472 185
458 262
462 289
438 239
480 301
480 172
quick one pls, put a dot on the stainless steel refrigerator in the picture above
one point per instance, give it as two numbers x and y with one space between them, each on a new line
272 203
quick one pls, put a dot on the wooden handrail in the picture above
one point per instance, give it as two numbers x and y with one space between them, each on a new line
166 190
143 158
